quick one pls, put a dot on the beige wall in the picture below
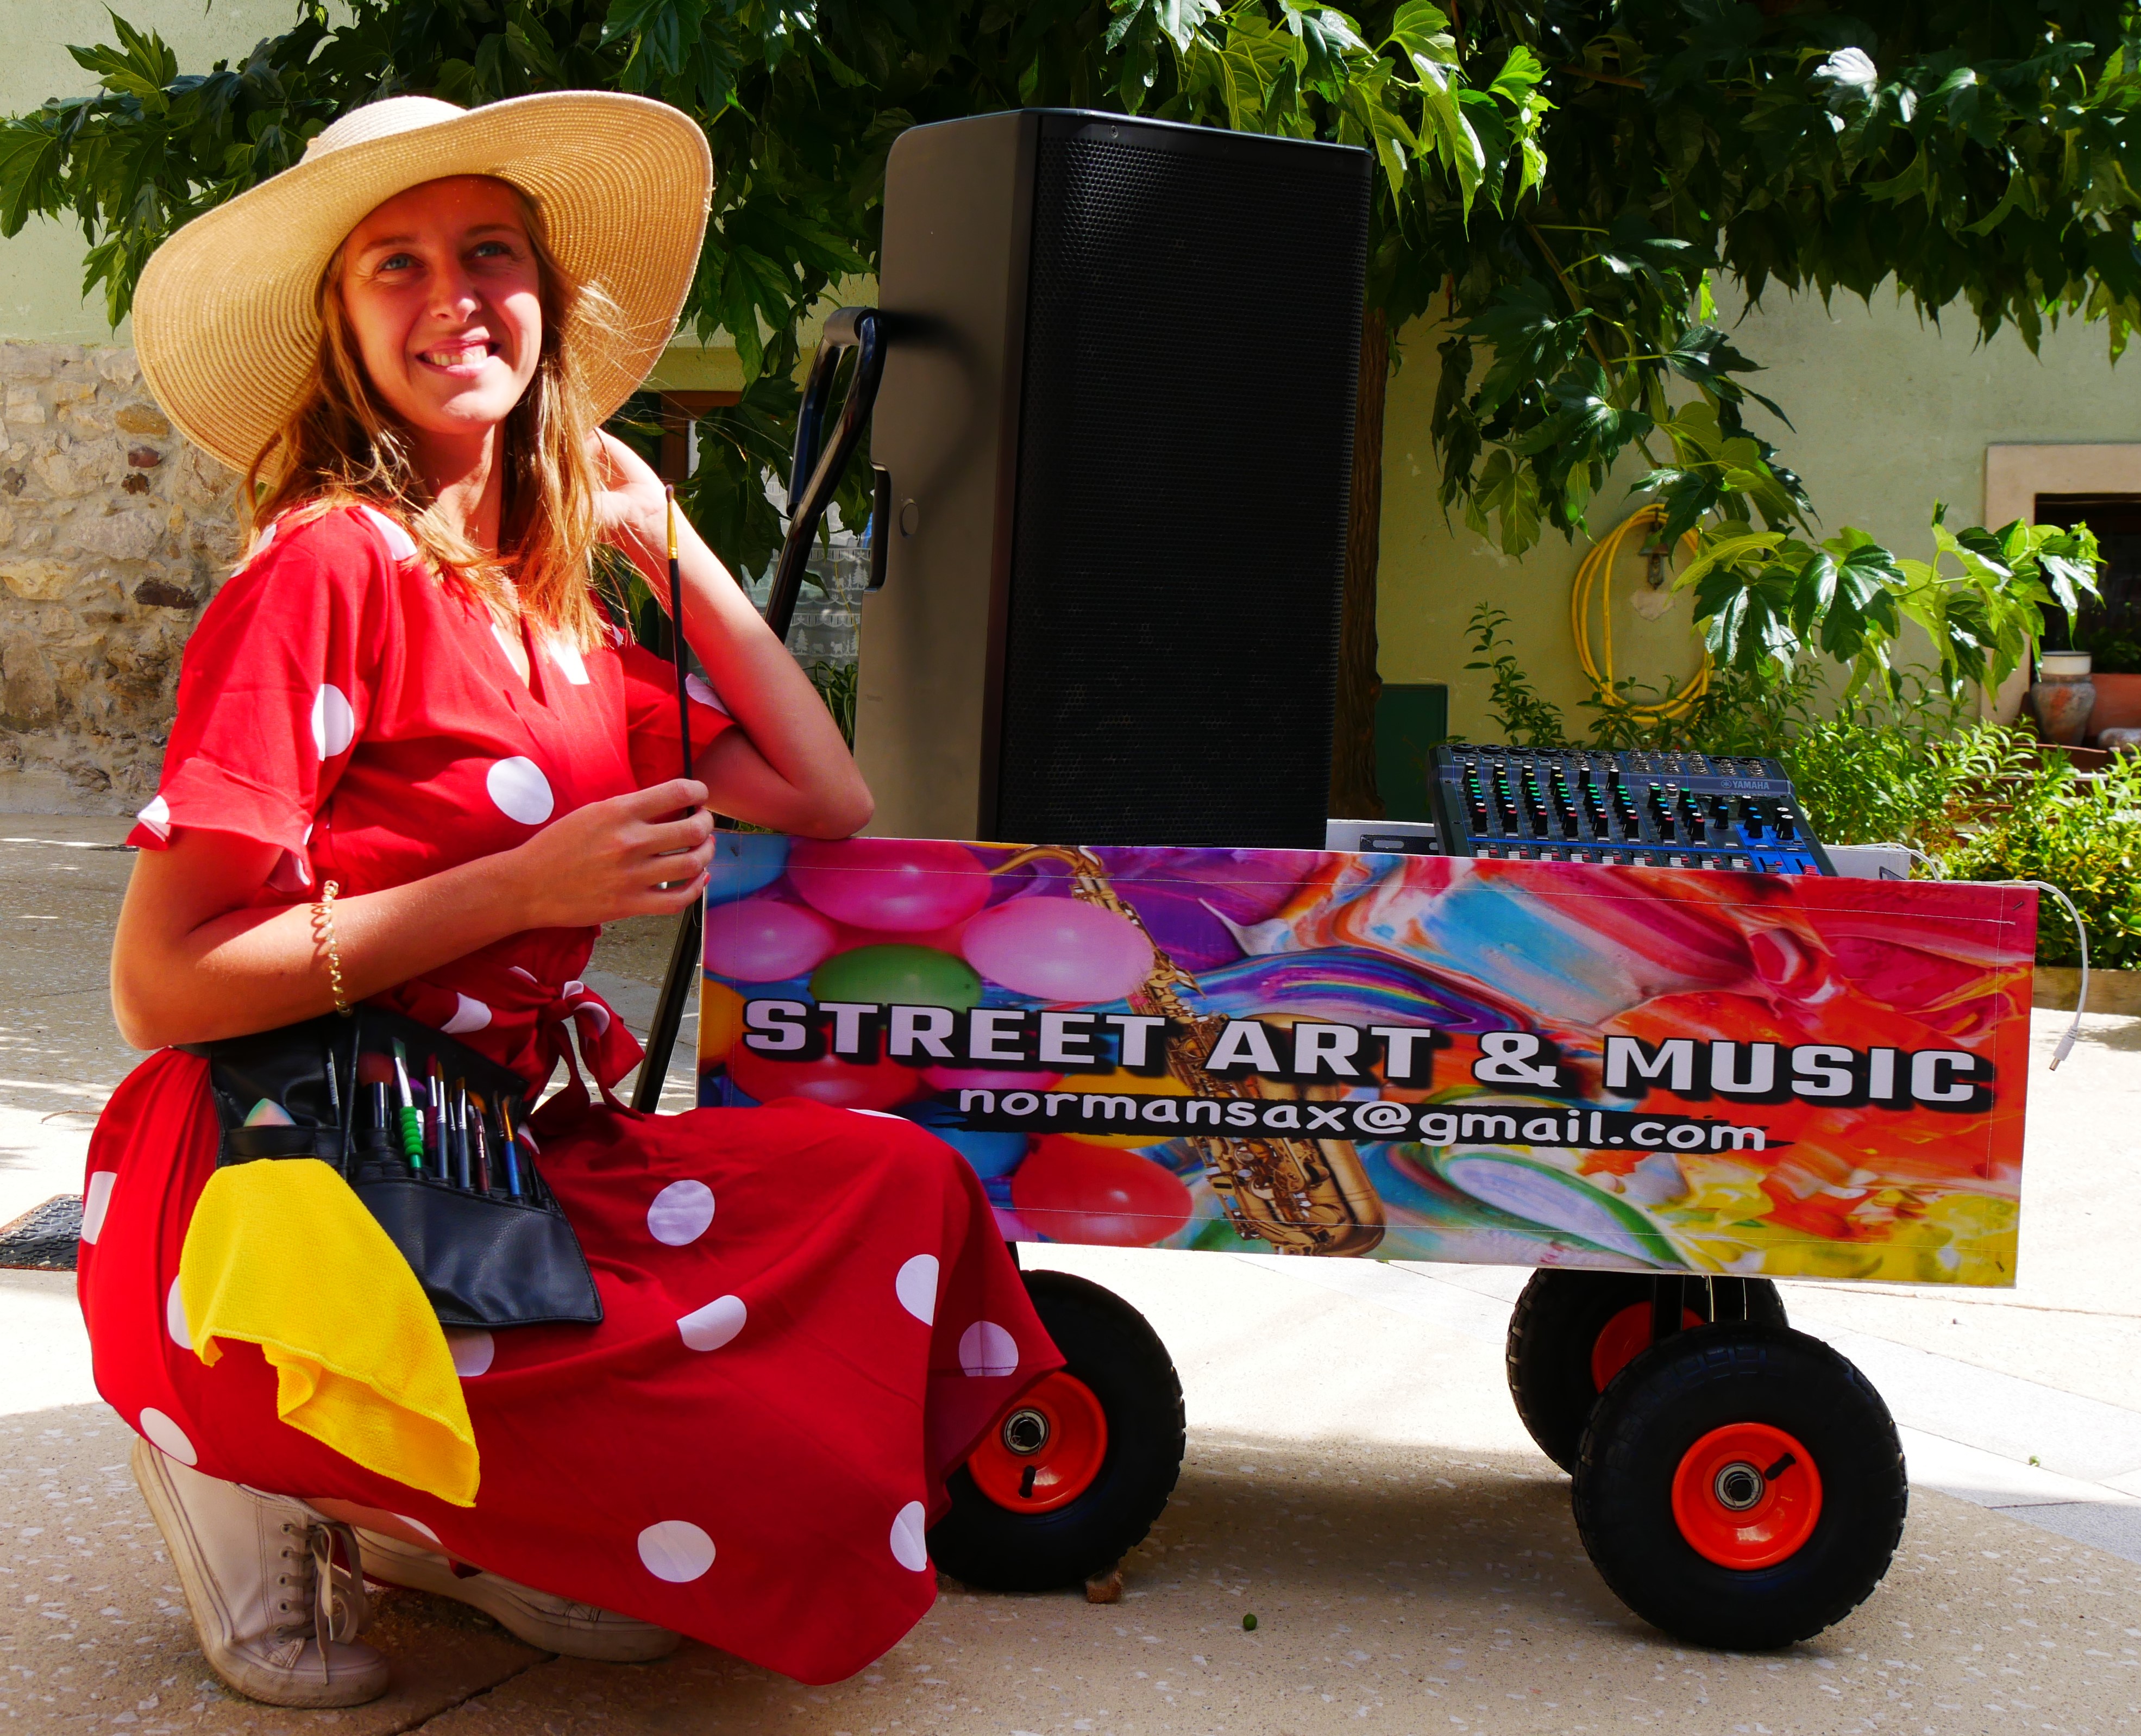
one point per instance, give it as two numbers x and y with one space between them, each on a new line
41 269
1891 414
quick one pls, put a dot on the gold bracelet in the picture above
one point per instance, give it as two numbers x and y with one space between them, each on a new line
323 927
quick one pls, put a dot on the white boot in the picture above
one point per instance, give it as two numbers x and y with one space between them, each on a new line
539 1618
274 1610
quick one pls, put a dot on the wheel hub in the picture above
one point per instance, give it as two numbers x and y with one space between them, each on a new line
1746 1495
1025 1431
1739 1486
1045 1449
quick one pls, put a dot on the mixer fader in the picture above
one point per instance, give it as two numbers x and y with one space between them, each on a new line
1622 809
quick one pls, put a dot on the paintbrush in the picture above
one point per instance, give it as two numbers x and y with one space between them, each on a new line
512 1148
481 1130
677 626
412 1129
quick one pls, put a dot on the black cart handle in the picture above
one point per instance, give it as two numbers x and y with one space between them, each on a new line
815 475
818 467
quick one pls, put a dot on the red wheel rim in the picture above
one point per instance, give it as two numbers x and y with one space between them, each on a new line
1626 1336
1046 1448
1746 1495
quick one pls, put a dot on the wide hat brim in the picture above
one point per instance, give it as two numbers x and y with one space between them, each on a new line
225 318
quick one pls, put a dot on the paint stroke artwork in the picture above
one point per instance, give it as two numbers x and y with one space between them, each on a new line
1409 1058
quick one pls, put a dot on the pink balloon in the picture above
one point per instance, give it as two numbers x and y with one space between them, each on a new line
763 941
977 1078
908 886
1058 950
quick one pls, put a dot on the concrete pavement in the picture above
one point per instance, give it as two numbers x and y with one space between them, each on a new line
1356 1478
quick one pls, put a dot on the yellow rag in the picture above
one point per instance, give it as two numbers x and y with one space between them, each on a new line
282 1253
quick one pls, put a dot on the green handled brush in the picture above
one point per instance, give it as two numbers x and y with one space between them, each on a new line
412 1124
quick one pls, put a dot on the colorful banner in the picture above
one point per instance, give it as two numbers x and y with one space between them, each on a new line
1414 1058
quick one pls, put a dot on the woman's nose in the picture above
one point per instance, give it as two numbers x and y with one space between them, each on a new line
453 294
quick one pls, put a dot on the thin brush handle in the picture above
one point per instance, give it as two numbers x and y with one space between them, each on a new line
676 637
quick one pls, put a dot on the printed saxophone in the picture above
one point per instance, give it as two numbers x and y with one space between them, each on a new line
1300 1196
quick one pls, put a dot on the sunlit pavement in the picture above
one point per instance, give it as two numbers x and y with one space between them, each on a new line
1357 1478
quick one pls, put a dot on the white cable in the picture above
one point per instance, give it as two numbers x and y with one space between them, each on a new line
1916 855
2066 1042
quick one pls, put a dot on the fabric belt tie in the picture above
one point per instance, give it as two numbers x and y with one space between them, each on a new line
521 1021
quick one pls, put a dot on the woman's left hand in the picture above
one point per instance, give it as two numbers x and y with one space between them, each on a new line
631 505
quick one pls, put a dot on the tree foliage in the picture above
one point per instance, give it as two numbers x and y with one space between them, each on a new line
1560 181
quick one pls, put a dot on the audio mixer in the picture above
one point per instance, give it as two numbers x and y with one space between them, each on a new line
1625 809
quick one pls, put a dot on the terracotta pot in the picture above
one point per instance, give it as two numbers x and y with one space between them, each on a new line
2118 702
2062 704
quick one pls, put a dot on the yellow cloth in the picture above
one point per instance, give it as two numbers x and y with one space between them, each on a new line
283 1254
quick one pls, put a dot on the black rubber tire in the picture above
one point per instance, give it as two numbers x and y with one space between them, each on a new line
1668 1398
1556 1322
1109 1345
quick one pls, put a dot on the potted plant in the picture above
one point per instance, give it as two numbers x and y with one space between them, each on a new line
2063 696
2115 672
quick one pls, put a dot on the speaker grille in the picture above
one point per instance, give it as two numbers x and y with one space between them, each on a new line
1185 453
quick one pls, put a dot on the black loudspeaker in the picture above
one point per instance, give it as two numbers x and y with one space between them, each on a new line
1116 424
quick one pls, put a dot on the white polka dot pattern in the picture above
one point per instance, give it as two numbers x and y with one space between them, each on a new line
677 1550
174 1317
157 817
713 1325
910 1545
95 1202
167 1437
985 1348
334 721
695 687
399 543
916 1287
566 655
520 791
681 1213
472 1349
470 1014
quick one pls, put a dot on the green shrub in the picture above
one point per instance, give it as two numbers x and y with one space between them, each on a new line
1863 780
2082 834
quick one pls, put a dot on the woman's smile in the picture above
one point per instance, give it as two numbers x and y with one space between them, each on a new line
462 357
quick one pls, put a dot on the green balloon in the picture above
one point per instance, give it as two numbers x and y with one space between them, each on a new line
908 976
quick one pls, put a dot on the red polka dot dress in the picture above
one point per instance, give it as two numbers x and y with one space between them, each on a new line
751 1445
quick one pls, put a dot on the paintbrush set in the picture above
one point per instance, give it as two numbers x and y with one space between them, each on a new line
433 1138
439 1128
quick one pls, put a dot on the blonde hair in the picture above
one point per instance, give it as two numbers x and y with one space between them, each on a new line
343 445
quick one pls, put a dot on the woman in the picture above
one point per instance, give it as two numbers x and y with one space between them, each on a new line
415 764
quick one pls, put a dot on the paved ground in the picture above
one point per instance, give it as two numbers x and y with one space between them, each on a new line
1357 1478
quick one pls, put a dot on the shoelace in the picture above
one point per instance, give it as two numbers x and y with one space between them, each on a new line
339 1607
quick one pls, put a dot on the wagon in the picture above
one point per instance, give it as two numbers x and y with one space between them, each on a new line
1662 1088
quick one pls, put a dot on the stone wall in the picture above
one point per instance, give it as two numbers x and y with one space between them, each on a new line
113 531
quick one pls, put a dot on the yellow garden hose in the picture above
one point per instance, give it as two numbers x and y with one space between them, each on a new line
1596 570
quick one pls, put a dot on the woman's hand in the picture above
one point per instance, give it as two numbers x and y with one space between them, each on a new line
629 856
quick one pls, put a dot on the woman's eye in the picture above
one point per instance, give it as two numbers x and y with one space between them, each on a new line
395 261
494 250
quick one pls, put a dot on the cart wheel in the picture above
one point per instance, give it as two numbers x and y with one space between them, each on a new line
1573 1331
1071 1476
1741 1486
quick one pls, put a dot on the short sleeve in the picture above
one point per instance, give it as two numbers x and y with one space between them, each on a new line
650 712
278 682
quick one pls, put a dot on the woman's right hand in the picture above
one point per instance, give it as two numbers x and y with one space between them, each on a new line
628 857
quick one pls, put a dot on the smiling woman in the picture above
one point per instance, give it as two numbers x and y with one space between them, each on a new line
415 767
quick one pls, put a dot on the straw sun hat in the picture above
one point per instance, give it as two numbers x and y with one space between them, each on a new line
224 318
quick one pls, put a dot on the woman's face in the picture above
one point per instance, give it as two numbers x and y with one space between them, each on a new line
441 291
